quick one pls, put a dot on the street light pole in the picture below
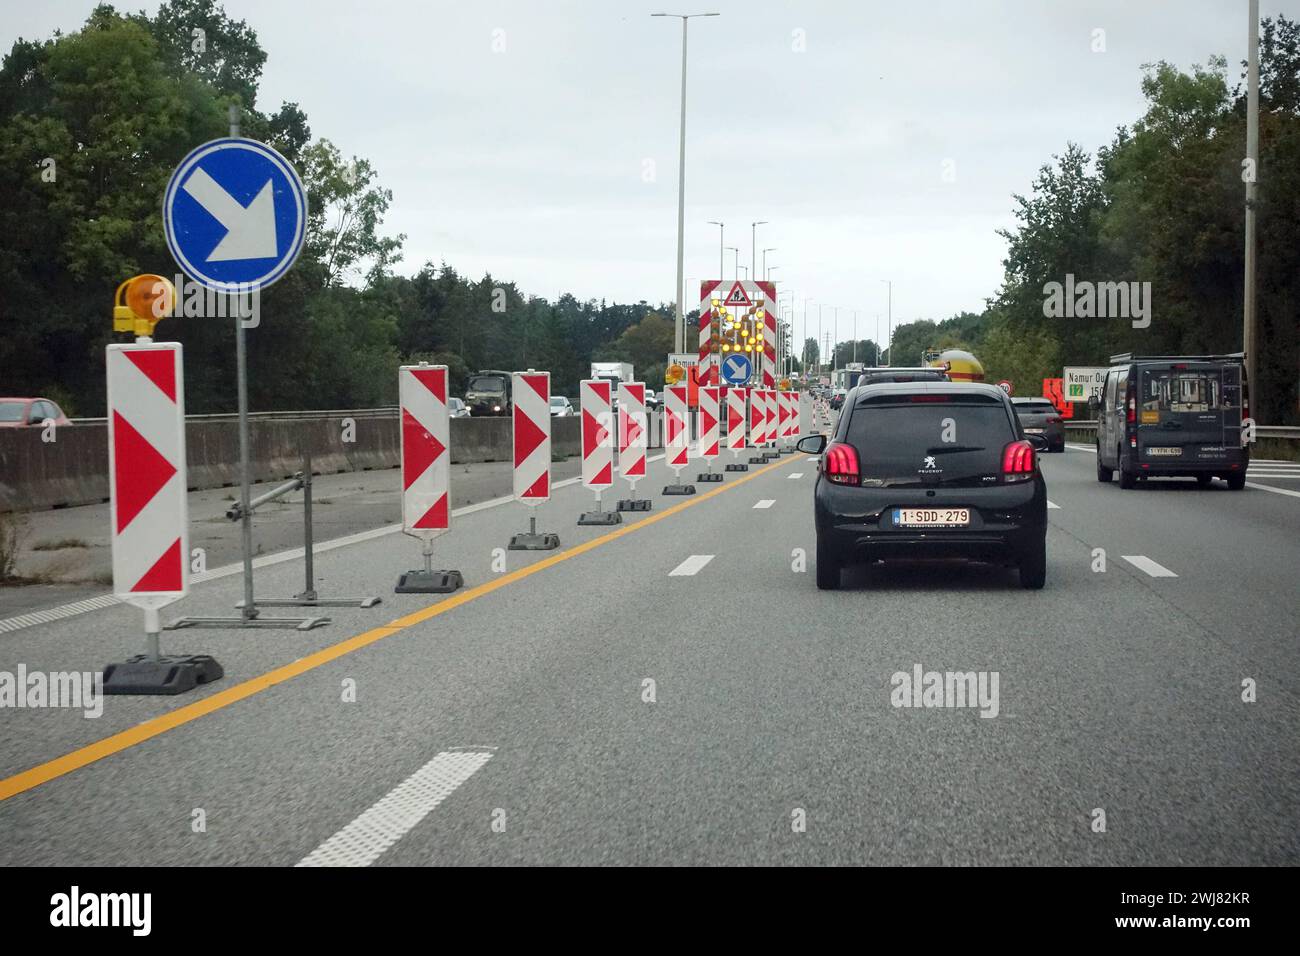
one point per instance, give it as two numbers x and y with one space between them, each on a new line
681 182
855 336
720 247
765 252
735 262
1252 160
753 244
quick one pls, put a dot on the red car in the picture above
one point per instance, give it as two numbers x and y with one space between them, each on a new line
22 412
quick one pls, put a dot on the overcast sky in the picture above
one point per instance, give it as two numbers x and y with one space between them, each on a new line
553 161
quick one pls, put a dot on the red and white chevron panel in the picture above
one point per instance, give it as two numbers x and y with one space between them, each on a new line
769 339
708 369
426 454
632 437
770 410
677 436
757 417
594 396
708 445
736 398
148 507
531 398
791 414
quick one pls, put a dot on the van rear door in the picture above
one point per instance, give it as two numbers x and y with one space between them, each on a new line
1189 414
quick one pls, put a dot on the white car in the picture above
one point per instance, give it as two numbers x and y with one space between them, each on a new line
561 407
456 408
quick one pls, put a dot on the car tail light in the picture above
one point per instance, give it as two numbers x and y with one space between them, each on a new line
1018 461
1053 419
929 398
842 464
1132 408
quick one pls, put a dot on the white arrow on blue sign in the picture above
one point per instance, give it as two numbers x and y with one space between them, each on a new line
736 369
235 215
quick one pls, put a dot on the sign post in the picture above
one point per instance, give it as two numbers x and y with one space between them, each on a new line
426 472
632 442
235 217
708 446
531 401
594 404
149 509
735 419
677 438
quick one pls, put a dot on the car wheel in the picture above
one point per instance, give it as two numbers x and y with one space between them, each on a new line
1104 474
1204 480
1033 567
1126 478
828 568
1236 481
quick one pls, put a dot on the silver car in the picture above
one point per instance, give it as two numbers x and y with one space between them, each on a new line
1038 416
456 408
561 407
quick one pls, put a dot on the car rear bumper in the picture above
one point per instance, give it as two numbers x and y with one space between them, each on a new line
1006 522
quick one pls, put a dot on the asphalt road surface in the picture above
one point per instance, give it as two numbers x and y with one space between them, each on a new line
515 721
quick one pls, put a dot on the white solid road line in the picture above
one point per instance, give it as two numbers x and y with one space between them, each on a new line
363 840
1052 504
1143 563
690 566
1276 491
797 474
108 600
765 503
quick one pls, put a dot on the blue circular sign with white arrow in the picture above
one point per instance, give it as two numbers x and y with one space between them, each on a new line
235 215
736 369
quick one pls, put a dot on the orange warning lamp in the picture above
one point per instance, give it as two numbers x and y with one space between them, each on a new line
784 385
141 303
674 374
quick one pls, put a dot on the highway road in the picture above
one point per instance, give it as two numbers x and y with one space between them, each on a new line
511 722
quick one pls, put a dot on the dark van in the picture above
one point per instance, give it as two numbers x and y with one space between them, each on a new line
488 393
1173 416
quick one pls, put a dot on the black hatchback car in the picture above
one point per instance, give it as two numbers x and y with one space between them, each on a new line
929 470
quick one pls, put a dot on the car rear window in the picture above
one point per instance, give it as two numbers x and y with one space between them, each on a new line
1039 406
930 442
1182 390
12 411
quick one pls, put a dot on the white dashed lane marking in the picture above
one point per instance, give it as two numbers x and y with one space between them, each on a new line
797 474
1052 504
1143 563
691 565
363 840
765 503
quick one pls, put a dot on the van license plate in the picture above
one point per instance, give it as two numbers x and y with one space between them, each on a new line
1166 451
932 517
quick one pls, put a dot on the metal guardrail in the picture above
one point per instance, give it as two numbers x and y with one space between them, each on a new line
386 411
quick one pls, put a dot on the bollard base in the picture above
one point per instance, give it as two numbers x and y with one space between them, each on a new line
163 676
600 517
709 476
529 541
738 466
634 504
769 455
679 489
758 460
429 582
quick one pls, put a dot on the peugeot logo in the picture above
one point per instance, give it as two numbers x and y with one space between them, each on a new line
929 461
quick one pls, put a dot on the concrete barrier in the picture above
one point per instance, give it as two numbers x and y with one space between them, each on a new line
73 469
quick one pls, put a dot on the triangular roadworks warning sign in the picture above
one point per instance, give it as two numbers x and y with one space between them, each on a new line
737 295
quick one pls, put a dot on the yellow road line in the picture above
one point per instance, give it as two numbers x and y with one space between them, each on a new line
44 773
